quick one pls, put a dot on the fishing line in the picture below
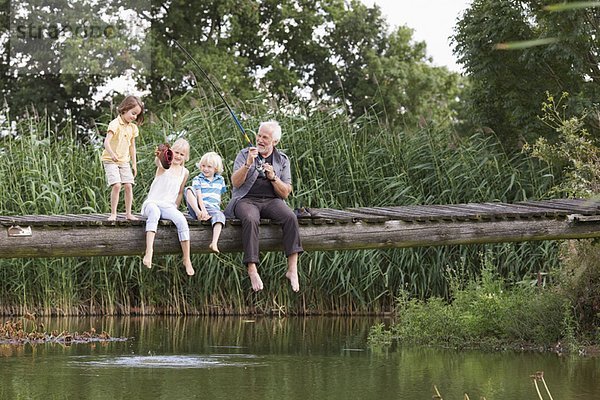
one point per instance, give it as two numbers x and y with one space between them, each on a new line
260 160
235 118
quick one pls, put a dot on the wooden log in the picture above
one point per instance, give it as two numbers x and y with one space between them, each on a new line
127 240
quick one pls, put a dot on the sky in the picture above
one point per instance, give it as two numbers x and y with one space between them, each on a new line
433 21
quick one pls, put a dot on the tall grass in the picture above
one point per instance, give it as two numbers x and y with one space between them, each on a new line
335 163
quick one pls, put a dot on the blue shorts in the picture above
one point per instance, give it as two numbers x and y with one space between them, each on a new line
216 215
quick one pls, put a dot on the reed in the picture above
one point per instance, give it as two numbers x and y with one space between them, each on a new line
335 163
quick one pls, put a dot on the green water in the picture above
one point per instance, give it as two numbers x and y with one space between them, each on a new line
271 358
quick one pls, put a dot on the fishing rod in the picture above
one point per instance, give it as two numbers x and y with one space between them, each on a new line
235 118
260 160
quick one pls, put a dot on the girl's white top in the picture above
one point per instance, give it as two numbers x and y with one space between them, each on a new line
165 189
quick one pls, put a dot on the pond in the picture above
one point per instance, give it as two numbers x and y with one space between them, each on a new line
272 358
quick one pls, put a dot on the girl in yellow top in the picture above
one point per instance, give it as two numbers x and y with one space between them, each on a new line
119 151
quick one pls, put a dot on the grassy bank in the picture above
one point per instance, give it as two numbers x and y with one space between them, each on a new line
45 170
486 313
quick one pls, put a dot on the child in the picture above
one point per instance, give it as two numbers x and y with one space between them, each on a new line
204 197
163 200
119 150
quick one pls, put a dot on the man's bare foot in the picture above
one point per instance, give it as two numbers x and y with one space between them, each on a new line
131 217
214 248
257 284
189 269
293 277
112 217
147 260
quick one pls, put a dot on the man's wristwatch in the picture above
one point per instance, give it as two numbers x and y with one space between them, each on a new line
274 179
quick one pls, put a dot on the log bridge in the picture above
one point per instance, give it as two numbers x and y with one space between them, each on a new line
321 229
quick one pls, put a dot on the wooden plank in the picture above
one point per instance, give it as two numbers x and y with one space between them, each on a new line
578 205
529 210
493 210
430 212
122 240
512 211
566 206
474 211
408 214
455 212
470 211
403 211
324 229
345 215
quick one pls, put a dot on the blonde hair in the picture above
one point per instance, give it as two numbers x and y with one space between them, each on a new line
213 159
184 146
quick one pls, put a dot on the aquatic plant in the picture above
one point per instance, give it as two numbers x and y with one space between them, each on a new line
539 376
19 332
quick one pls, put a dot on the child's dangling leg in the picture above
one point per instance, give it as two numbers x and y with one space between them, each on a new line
183 233
147 260
187 262
215 237
152 213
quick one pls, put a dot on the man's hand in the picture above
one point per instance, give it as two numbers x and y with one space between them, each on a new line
269 172
252 154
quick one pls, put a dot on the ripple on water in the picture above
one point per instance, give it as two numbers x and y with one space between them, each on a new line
169 361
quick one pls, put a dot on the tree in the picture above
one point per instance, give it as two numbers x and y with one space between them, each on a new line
323 51
221 35
57 53
507 87
328 51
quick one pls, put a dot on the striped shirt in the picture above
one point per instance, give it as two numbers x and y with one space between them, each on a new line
211 190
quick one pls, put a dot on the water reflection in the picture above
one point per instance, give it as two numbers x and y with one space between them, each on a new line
151 361
264 358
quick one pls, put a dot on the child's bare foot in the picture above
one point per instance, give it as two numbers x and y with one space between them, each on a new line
131 217
189 269
293 277
112 217
257 284
147 260
214 248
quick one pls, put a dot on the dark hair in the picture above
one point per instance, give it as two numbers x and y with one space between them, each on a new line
130 102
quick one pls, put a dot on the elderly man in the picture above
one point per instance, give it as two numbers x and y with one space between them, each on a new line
261 182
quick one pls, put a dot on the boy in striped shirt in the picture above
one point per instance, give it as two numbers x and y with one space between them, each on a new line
203 198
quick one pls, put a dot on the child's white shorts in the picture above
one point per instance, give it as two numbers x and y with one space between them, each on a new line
118 173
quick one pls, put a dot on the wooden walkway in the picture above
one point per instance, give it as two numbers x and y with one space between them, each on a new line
321 229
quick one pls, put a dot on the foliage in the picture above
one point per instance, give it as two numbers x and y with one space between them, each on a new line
483 314
379 335
56 55
576 157
579 282
575 154
329 51
507 86
315 51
